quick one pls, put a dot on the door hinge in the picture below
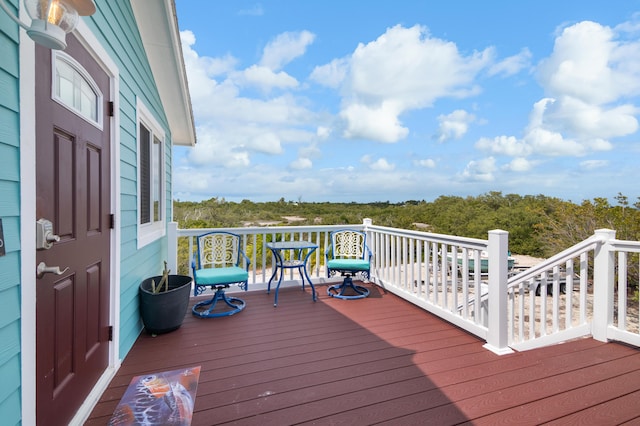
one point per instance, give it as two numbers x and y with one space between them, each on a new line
110 108
111 333
112 221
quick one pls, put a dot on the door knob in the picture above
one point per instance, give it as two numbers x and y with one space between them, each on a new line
44 269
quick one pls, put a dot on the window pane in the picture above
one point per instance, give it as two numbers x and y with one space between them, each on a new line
64 83
145 174
88 102
157 179
74 91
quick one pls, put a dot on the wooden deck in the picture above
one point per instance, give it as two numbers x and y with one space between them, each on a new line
378 360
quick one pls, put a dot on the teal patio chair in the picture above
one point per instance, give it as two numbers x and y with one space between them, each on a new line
217 266
348 255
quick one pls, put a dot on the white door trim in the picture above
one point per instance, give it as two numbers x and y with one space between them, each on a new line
28 219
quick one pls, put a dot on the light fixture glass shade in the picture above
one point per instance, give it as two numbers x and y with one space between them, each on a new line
51 21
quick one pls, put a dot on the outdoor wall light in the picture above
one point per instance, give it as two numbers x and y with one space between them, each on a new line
51 20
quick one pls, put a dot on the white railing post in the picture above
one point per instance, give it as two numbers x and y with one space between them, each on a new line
497 333
172 247
603 283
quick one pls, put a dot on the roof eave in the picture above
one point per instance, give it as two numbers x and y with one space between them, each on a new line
158 26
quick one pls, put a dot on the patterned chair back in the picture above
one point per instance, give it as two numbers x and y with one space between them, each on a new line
348 244
218 250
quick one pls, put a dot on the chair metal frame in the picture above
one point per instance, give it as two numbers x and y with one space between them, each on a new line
348 255
217 266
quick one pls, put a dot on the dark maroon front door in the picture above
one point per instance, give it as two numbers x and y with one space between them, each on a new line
73 192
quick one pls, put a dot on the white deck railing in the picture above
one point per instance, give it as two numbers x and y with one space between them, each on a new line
569 295
254 241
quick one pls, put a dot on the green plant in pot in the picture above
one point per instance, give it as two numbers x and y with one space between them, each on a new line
164 300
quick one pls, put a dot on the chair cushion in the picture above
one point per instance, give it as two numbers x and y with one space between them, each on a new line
348 264
217 276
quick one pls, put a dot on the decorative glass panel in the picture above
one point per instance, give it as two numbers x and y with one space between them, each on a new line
72 89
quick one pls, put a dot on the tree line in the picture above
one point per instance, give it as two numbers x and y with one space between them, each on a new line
538 225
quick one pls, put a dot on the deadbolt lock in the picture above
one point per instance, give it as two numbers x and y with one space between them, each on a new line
44 235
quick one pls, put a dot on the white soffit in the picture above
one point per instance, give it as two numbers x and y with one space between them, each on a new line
158 26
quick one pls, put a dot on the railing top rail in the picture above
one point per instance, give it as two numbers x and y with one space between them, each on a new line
584 246
624 245
190 232
473 243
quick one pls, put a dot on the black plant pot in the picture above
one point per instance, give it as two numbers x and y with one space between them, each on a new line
164 312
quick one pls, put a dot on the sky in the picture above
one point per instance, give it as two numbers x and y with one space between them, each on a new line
367 101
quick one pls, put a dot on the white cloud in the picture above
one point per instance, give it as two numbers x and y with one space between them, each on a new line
373 123
323 132
546 142
301 164
332 74
590 74
519 164
454 125
481 170
310 151
285 48
212 150
265 142
266 79
594 164
408 66
426 162
505 145
632 26
573 115
380 165
403 69
588 77
188 177
513 64
366 158
587 64
231 127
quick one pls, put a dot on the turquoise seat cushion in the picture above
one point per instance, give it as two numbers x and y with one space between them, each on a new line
218 276
348 264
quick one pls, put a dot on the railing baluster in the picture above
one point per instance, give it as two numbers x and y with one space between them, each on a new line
477 287
532 310
543 302
556 299
521 301
584 278
622 290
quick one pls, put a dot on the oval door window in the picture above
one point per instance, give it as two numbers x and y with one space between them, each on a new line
74 89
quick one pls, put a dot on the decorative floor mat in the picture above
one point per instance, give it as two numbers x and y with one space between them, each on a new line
165 398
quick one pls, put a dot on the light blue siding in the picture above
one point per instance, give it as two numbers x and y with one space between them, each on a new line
10 392
115 26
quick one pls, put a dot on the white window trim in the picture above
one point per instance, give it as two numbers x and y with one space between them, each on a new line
150 232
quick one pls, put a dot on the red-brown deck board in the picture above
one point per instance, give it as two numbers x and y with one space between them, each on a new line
377 360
